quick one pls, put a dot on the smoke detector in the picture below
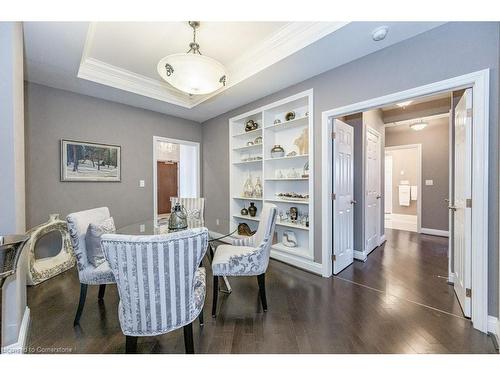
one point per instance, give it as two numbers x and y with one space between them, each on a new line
380 33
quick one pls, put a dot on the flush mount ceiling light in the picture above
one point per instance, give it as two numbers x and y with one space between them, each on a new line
404 104
192 72
380 33
418 125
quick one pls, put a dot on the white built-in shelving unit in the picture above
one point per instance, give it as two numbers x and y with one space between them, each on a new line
265 168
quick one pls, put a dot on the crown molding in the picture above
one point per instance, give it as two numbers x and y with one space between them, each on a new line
287 40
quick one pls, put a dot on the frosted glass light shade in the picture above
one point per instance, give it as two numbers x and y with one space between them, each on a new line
418 126
192 73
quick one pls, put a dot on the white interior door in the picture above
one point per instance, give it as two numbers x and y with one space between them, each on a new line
388 184
461 211
343 188
372 189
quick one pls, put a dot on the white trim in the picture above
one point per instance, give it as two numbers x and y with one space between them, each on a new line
380 184
155 157
381 239
435 232
289 39
479 81
418 146
360 255
299 262
493 325
19 347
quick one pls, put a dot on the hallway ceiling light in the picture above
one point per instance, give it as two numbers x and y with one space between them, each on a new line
418 126
404 104
380 33
192 72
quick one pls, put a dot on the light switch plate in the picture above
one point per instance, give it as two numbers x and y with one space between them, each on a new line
141 183
429 182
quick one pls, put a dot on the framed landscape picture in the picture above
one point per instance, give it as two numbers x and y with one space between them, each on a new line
86 161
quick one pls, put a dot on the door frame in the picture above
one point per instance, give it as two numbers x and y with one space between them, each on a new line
479 81
417 146
385 185
155 177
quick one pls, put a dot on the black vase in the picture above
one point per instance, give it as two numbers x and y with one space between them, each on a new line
244 211
252 210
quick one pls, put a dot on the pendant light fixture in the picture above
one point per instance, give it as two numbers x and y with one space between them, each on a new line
192 72
418 125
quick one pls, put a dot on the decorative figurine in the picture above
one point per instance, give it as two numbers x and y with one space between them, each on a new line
305 173
277 121
290 116
248 187
302 142
291 154
244 211
294 213
257 140
251 125
244 230
277 151
252 209
289 239
258 189
250 143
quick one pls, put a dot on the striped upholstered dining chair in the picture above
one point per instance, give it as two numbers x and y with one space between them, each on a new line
160 285
195 207
247 257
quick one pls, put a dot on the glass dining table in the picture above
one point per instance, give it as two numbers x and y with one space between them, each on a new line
218 230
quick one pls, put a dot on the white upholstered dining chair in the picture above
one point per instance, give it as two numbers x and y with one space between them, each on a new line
78 224
160 283
247 256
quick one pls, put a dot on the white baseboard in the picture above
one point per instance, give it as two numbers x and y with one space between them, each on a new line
494 326
435 232
305 264
381 239
19 347
360 255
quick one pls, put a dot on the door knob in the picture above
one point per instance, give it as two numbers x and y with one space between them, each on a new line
379 196
453 208
353 202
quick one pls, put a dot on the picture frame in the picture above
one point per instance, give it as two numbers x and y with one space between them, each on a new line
95 162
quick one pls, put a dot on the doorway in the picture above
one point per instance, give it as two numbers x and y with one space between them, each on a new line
478 193
176 172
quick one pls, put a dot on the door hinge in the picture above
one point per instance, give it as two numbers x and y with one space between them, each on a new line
468 203
469 112
334 135
468 292
334 196
334 257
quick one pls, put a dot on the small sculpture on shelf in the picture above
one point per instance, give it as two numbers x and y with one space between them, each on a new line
305 172
277 121
257 140
294 214
302 142
244 211
277 151
290 116
289 239
250 143
252 209
244 230
248 187
258 189
251 125
291 154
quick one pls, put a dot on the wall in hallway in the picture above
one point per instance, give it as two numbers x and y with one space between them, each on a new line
435 166
445 52
53 114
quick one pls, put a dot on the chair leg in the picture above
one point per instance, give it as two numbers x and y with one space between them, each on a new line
261 279
102 289
81 303
216 293
200 318
188 338
130 344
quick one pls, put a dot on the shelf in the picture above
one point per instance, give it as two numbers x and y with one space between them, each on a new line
292 250
288 179
292 225
247 217
254 132
288 157
247 162
244 148
248 199
295 123
287 201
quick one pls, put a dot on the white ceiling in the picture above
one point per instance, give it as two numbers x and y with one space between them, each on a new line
117 61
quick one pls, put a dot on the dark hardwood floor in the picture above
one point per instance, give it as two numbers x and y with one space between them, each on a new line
411 266
307 313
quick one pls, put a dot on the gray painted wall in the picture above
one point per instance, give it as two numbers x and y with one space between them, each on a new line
53 114
404 161
435 166
448 51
